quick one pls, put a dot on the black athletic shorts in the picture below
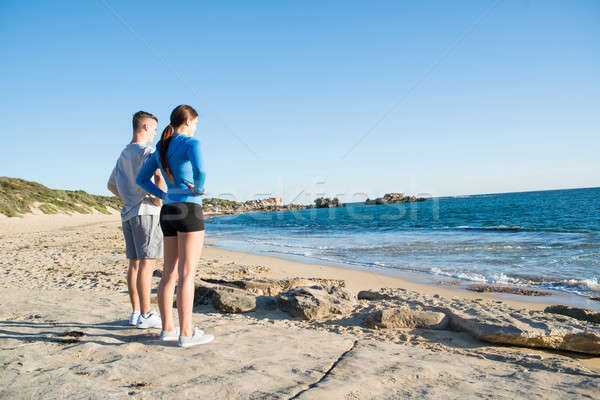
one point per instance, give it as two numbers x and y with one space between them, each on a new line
181 217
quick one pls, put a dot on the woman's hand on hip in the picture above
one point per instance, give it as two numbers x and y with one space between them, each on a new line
189 185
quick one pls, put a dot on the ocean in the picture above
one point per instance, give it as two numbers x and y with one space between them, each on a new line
544 239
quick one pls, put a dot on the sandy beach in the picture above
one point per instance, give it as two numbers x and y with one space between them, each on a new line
64 333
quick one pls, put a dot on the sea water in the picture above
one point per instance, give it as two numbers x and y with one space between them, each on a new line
545 239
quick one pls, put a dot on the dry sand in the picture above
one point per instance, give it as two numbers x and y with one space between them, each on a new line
63 335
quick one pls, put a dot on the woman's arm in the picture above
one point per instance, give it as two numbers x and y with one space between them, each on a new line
143 178
195 156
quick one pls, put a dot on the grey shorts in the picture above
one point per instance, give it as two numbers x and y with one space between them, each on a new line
143 237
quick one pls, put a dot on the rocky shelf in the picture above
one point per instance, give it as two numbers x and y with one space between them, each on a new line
327 301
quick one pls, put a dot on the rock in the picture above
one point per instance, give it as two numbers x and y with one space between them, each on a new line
528 330
203 294
323 202
573 312
400 318
370 295
232 300
266 303
224 298
507 289
496 322
239 295
272 287
394 198
157 273
317 303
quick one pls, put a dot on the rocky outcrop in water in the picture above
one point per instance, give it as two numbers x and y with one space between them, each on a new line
326 202
394 198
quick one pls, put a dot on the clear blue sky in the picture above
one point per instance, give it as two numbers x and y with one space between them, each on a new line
285 89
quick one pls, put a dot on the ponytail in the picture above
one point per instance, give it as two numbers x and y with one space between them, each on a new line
165 139
179 116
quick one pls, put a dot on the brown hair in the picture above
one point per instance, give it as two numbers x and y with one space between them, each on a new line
139 117
179 116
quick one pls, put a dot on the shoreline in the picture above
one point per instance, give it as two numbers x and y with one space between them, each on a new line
284 267
362 279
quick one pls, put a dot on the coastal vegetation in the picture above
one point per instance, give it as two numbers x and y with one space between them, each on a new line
18 197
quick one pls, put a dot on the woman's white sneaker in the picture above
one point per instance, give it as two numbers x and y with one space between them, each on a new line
169 336
133 318
150 320
199 337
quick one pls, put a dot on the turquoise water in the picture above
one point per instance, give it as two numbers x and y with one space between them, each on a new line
547 239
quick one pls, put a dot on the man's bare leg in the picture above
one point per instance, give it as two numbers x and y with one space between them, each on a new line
132 274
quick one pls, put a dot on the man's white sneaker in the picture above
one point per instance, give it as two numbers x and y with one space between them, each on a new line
150 320
199 337
133 318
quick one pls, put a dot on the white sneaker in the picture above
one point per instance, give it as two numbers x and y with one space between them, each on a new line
150 320
133 318
199 337
169 336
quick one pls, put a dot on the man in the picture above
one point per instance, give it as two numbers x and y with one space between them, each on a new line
139 218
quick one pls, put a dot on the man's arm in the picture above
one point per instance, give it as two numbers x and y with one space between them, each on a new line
114 190
111 185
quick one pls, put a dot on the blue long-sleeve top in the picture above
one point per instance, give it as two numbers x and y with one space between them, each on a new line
185 162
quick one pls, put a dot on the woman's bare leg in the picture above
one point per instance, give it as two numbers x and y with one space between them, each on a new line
190 249
144 283
168 282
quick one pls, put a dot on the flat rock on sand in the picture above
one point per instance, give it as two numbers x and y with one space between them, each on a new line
498 323
316 303
403 317
224 298
272 287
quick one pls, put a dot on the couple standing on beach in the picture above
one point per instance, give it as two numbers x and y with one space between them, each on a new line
153 219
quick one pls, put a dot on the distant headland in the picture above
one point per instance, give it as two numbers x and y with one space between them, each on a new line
19 197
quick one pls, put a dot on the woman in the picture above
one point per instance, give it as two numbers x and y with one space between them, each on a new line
181 220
